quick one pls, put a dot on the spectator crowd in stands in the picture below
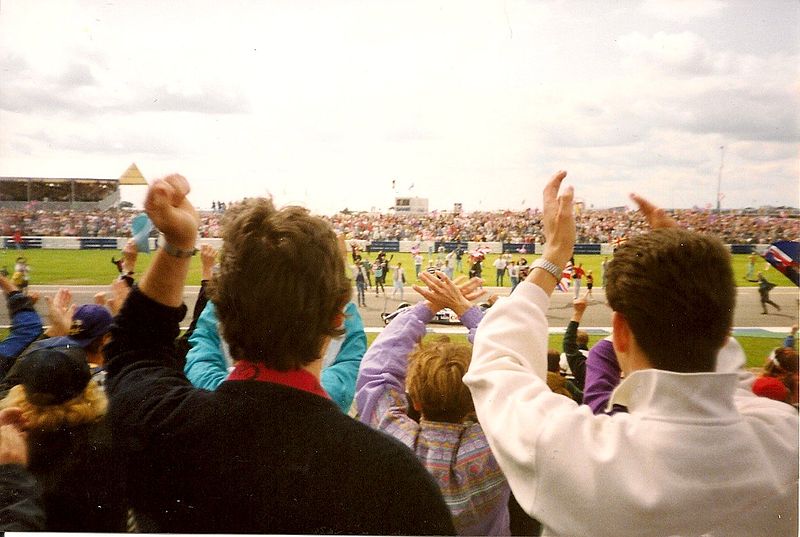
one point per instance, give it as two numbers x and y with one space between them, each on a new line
271 415
592 225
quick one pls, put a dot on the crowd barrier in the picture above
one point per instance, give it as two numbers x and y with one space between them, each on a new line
424 247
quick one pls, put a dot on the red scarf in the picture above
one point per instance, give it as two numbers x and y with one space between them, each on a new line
299 379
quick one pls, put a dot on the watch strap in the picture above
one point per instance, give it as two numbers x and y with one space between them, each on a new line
549 267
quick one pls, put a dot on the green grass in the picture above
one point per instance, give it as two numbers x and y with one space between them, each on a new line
80 267
93 267
756 348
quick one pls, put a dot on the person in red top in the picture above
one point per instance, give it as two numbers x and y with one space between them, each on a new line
577 276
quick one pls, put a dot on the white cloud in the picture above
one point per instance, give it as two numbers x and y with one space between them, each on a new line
681 53
683 10
326 102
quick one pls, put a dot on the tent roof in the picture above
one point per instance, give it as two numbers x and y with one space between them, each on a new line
132 176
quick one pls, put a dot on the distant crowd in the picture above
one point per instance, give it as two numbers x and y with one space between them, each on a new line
592 226
272 415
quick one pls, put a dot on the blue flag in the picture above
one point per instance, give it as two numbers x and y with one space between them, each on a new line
141 226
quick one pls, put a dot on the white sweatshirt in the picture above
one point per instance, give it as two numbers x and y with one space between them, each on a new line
696 453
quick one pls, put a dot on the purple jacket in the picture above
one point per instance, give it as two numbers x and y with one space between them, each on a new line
602 376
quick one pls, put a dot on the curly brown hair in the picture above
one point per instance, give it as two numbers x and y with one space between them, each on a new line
280 286
434 381
676 290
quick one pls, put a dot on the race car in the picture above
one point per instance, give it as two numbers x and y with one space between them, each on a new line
443 316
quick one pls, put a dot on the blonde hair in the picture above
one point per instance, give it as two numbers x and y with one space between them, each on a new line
90 405
434 380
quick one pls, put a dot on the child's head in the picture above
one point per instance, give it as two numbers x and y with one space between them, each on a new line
781 361
434 381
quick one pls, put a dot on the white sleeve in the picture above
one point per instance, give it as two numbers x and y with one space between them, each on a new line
507 378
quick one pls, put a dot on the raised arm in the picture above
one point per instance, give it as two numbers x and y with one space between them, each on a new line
26 325
507 376
575 358
339 378
172 213
205 362
380 388
145 378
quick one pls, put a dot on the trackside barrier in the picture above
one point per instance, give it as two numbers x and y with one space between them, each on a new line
742 248
27 242
450 246
386 246
587 249
98 243
519 247
111 243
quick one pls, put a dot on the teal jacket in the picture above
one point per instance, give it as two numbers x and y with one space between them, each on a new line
207 361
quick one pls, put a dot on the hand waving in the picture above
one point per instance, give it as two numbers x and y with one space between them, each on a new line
655 216
60 310
558 220
443 293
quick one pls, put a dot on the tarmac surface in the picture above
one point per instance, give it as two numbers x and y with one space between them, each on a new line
747 316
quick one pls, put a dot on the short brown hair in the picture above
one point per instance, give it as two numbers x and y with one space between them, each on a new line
280 284
434 381
582 339
676 290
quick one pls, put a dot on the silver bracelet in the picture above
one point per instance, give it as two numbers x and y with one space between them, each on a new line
177 252
548 266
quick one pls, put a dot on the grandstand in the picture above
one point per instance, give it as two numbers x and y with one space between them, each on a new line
49 193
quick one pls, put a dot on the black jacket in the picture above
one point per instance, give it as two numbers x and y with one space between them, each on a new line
251 457
82 483
20 501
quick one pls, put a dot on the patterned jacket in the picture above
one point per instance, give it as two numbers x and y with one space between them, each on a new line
456 454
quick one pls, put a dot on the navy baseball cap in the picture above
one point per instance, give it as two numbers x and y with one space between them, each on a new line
89 322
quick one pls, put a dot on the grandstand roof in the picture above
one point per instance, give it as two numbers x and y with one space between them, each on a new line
132 176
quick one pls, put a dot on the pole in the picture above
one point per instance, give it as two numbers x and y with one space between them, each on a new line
719 177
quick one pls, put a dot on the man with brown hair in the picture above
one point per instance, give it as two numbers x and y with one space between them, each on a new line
695 452
267 452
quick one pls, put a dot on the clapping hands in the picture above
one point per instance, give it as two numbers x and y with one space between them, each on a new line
441 292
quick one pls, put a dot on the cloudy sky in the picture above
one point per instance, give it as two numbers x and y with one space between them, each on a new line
324 103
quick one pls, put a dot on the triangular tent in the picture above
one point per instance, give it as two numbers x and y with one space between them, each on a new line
132 176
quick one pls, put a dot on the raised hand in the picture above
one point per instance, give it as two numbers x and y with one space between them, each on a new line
171 212
443 293
558 220
60 310
578 308
208 256
119 292
655 216
129 254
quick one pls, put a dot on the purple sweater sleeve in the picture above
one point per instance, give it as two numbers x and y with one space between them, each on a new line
384 365
602 376
471 319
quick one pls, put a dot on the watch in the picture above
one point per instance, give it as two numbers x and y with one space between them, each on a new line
548 266
177 252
